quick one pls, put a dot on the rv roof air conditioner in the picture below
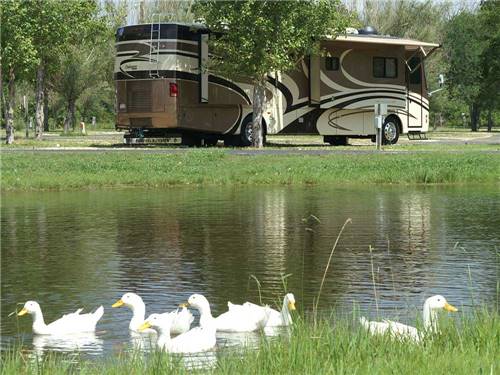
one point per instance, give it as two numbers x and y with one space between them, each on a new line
368 30
351 30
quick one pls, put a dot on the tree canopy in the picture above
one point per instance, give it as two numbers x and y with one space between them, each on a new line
471 44
253 38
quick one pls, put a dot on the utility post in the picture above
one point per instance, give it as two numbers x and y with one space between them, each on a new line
380 111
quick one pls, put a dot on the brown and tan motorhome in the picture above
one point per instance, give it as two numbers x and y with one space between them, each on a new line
164 89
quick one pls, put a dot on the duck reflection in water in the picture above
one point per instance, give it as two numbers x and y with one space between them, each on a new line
87 342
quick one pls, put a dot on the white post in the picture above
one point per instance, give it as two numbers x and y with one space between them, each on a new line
378 129
380 111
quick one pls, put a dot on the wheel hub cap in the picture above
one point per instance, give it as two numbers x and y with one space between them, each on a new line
390 131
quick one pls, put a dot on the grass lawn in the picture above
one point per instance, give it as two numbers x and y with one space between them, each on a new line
88 170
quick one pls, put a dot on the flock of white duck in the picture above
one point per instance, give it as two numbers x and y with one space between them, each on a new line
247 317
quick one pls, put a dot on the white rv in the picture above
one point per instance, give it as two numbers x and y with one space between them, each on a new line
163 89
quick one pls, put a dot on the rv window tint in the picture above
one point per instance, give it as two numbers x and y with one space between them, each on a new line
385 67
416 76
391 68
378 67
332 63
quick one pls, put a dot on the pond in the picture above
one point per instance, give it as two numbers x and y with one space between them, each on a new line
86 248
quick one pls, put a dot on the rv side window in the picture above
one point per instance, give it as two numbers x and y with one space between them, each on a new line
332 63
385 67
391 68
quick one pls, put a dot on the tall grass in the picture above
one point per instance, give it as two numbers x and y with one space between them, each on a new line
83 170
468 345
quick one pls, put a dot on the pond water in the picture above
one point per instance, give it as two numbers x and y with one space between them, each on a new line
84 249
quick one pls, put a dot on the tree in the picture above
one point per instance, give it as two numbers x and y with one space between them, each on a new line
54 26
464 44
489 18
17 54
254 38
164 11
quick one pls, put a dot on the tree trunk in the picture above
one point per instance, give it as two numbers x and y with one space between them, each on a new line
69 120
474 116
2 97
490 121
9 115
259 99
45 109
39 115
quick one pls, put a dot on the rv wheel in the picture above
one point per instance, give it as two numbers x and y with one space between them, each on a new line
390 131
246 132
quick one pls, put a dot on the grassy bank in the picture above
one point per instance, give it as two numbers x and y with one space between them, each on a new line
77 170
466 346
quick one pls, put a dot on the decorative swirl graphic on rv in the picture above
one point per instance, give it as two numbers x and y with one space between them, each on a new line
335 116
138 52
362 83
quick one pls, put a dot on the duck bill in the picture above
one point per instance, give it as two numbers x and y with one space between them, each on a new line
291 306
184 305
450 308
118 303
144 326
22 312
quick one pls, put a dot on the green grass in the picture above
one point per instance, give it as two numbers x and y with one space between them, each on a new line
468 345
83 170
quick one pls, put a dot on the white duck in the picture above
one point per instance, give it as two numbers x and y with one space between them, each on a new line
182 318
242 319
276 318
198 339
403 331
69 323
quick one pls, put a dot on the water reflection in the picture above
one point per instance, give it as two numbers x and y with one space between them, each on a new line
83 249
85 342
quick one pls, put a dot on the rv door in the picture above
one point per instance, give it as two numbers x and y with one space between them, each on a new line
415 91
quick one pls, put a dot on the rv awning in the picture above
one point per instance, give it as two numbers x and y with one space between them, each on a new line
409 44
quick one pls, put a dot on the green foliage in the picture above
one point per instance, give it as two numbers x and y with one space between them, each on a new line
258 37
56 25
489 18
472 45
406 18
165 11
463 45
17 47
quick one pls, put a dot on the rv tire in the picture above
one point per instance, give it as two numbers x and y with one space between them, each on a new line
246 132
390 130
